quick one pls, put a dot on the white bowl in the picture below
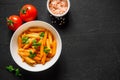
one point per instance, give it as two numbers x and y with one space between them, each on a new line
58 15
14 46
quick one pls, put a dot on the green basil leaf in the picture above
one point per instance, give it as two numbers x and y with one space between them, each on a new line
25 40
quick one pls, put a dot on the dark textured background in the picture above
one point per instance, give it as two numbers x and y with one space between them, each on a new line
90 37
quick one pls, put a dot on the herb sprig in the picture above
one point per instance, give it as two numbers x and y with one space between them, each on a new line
36 44
17 72
46 50
42 34
32 55
25 40
10 68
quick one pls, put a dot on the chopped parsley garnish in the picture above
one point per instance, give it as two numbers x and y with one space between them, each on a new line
10 68
46 50
42 35
17 72
32 55
35 43
25 40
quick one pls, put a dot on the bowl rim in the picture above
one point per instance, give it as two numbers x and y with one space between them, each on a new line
58 51
58 15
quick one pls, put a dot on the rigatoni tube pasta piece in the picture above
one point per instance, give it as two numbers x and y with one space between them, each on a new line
29 60
19 42
45 38
33 35
41 50
35 29
50 38
54 44
43 58
36 46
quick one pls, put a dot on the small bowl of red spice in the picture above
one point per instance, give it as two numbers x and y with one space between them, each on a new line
58 8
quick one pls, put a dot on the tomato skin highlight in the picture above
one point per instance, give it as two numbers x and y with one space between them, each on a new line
13 22
28 12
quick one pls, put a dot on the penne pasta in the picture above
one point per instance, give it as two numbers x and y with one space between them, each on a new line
37 59
36 46
29 60
53 48
45 37
36 29
43 60
47 59
19 42
33 35
41 50
27 50
50 38
48 45
20 49
23 54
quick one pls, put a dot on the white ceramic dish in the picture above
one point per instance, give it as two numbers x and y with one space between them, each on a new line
58 15
14 46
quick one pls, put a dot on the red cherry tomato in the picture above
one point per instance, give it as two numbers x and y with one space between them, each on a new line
28 12
14 22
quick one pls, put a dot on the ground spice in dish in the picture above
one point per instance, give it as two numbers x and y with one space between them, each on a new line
58 6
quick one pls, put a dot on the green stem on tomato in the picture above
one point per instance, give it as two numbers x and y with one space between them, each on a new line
10 22
23 11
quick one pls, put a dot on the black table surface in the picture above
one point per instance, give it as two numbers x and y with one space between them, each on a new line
90 41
